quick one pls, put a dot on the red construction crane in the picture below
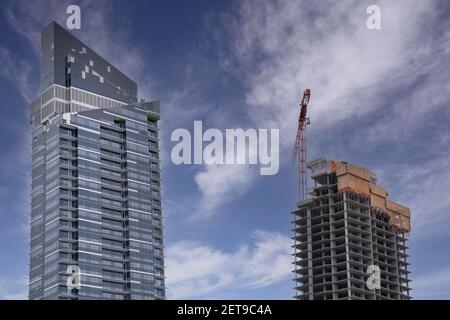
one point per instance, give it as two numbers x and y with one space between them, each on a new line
300 144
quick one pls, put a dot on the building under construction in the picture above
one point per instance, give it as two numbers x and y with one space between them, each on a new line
344 228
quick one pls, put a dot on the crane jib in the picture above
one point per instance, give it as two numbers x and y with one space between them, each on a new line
300 143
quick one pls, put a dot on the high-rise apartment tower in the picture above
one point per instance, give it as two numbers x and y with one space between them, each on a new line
349 238
96 223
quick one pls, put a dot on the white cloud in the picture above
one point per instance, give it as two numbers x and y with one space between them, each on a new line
424 188
285 46
196 270
278 48
219 184
98 30
18 72
17 158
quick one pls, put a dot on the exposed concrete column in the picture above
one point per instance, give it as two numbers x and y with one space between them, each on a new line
347 248
310 265
372 245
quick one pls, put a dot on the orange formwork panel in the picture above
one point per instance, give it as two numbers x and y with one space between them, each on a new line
353 178
348 168
378 197
397 207
361 180
377 201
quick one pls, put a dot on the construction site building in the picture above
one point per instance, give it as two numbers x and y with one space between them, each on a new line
343 230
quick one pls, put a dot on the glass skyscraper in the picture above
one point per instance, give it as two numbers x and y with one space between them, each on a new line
96 216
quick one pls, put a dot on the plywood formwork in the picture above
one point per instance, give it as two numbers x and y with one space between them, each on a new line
360 180
399 214
353 178
378 197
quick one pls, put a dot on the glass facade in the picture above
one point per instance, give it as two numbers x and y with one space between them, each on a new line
96 196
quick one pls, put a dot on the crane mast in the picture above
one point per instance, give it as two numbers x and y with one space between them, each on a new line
300 144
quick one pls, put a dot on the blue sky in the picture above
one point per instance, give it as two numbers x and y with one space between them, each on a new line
379 99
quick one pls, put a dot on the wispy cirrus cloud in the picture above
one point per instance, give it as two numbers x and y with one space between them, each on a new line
198 270
18 72
422 187
98 28
284 46
381 84
220 184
